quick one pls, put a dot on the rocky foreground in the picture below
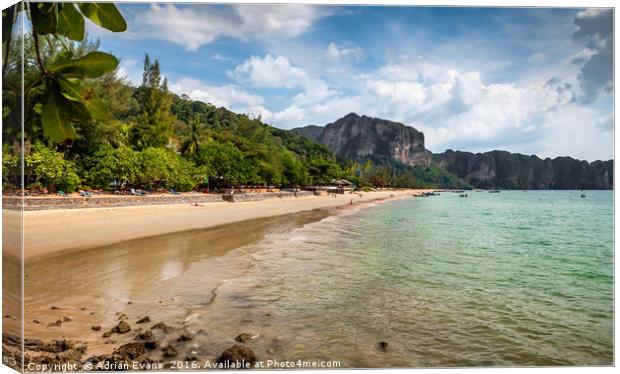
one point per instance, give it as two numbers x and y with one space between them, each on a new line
154 346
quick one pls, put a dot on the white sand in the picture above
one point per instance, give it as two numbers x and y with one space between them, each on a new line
50 231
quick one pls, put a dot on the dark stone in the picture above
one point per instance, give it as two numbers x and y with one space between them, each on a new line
169 351
66 319
55 324
147 335
383 346
184 338
131 350
122 327
144 319
237 356
243 337
96 328
161 326
107 334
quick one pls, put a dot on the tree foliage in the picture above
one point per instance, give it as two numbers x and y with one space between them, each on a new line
90 127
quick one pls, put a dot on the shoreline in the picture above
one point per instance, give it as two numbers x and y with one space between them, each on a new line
48 232
78 314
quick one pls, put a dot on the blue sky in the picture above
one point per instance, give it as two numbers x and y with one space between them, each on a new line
529 80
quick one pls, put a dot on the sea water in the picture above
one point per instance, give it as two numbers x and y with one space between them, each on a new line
510 279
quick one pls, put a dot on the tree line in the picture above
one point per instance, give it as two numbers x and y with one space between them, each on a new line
85 127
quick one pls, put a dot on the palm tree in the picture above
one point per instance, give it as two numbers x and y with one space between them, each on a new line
191 143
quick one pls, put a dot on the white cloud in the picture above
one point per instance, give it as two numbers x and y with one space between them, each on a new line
457 110
195 26
219 57
230 96
131 70
277 72
335 53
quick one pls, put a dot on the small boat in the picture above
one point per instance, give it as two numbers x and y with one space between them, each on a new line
583 196
463 195
494 191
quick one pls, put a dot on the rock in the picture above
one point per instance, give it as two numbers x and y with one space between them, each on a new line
161 326
144 319
82 308
36 321
96 328
244 337
58 323
129 302
383 346
66 319
55 308
122 317
184 338
107 334
169 351
147 335
238 356
122 327
151 344
130 350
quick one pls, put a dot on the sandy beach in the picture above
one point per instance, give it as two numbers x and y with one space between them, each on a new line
71 291
51 231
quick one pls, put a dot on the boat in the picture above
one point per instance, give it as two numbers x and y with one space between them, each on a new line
494 191
583 195
463 195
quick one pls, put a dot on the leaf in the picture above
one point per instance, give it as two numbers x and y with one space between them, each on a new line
70 22
91 65
8 19
74 91
45 8
44 17
56 124
105 15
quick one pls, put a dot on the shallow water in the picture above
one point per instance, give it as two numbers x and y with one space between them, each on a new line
510 279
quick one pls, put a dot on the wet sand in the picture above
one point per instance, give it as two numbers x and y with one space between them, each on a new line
51 231
79 294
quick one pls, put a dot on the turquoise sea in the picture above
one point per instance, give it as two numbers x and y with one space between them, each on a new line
510 279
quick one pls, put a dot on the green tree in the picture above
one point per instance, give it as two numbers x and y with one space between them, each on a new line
226 162
118 167
191 143
50 169
153 124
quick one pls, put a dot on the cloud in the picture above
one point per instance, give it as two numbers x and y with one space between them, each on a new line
538 57
219 57
335 53
456 109
595 27
131 70
230 96
197 25
278 72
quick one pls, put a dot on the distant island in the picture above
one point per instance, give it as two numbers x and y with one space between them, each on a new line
384 142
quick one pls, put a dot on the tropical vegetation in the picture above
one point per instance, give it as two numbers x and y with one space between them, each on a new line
86 127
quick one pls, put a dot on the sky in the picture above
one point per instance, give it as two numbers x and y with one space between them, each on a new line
528 80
